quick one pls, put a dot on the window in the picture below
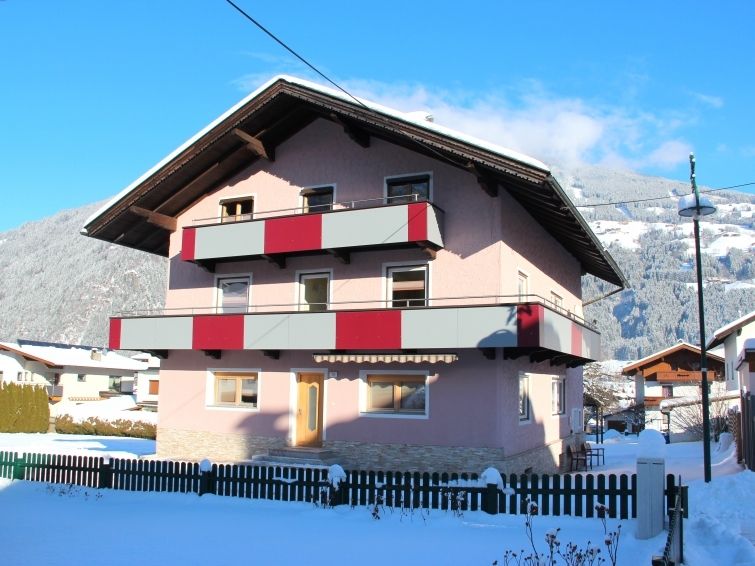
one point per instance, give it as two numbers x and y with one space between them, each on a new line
233 294
396 394
558 400
317 200
408 189
114 383
20 376
313 291
236 209
407 286
81 378
154 386
667 391
523 287
236 389
524 397
557 301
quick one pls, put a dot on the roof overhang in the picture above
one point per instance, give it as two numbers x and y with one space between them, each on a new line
142 214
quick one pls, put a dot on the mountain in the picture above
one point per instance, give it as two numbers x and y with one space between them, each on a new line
60 286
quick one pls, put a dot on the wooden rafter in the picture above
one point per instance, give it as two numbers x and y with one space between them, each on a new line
162 220
341 255
355 133
255 145
279 260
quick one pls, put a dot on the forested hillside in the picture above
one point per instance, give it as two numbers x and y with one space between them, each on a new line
60 286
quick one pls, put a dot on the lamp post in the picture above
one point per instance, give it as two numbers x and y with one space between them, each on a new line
694 206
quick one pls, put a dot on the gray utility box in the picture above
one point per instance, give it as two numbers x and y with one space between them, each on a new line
651 484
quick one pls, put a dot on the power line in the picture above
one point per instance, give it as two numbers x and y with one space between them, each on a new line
614 203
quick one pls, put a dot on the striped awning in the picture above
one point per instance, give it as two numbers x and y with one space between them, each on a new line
368 358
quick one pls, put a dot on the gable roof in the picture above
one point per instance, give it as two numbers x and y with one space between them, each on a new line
65 355
283 106
720 335
630 369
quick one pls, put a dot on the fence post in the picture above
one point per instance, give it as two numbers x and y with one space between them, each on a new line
19 463
490 499
206 478
105 480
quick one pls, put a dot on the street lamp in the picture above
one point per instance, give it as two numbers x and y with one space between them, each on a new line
694 206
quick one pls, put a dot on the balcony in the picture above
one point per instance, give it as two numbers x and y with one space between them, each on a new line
528 328
682 376
343 228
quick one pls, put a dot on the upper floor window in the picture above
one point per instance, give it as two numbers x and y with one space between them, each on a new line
667 391
233 294
313 291
523 286
319 199
557 301
233 210
407 286
81 378
408 189
524 397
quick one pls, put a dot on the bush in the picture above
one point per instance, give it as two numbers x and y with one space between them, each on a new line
23 408
65 424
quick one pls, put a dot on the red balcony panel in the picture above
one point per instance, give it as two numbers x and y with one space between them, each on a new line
417 221
528 322
576 340
188 243
380 330
293 233
114 343
218 332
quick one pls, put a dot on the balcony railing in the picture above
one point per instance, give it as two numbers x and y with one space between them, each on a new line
346 226
444 323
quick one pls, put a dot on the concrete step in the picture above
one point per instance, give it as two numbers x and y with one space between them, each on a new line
270 460
302 452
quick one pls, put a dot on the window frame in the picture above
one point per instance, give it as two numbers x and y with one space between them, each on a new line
223 201
396 376
211 388
81 378
155 384
299 289
558 396
389 268
218 295
313 189
557 302
395 179
526 417
522 276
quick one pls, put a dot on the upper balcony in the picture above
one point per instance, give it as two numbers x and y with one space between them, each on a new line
531 327
336 228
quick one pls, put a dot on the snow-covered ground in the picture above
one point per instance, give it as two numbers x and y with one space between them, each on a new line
121 407
113 527
82 444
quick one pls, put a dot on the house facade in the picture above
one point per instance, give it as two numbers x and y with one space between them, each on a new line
732 337
350 278
68 373
671 379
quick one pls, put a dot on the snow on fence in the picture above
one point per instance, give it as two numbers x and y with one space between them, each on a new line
554 494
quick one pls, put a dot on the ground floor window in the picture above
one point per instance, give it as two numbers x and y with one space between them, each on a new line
236 389
399 394
558 400
524 397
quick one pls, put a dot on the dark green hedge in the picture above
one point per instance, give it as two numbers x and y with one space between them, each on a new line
64 424
23 408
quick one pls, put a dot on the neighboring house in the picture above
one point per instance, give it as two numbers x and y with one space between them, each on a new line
746 369
69 373
147 381
733 336
350 278
671 378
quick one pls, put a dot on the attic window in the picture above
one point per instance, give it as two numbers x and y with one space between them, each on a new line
317 200
237 209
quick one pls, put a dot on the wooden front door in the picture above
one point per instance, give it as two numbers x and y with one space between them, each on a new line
309 409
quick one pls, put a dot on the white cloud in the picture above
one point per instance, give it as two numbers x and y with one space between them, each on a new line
565 131
710 100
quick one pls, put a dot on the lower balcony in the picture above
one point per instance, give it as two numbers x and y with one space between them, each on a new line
533 329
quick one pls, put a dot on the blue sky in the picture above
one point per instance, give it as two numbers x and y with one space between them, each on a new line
93 93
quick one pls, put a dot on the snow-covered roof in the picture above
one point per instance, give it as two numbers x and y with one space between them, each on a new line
670 350
66 355
415 118
720 335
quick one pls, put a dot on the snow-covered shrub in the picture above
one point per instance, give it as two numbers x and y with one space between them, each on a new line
65 424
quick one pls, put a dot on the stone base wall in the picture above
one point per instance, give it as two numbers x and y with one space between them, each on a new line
196 445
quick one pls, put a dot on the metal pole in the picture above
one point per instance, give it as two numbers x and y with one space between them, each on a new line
701 310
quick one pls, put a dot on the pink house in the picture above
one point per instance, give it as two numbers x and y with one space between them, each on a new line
353 280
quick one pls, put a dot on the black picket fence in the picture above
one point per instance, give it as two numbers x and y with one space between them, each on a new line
553 494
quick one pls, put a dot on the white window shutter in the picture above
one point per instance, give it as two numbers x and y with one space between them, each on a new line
577 422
